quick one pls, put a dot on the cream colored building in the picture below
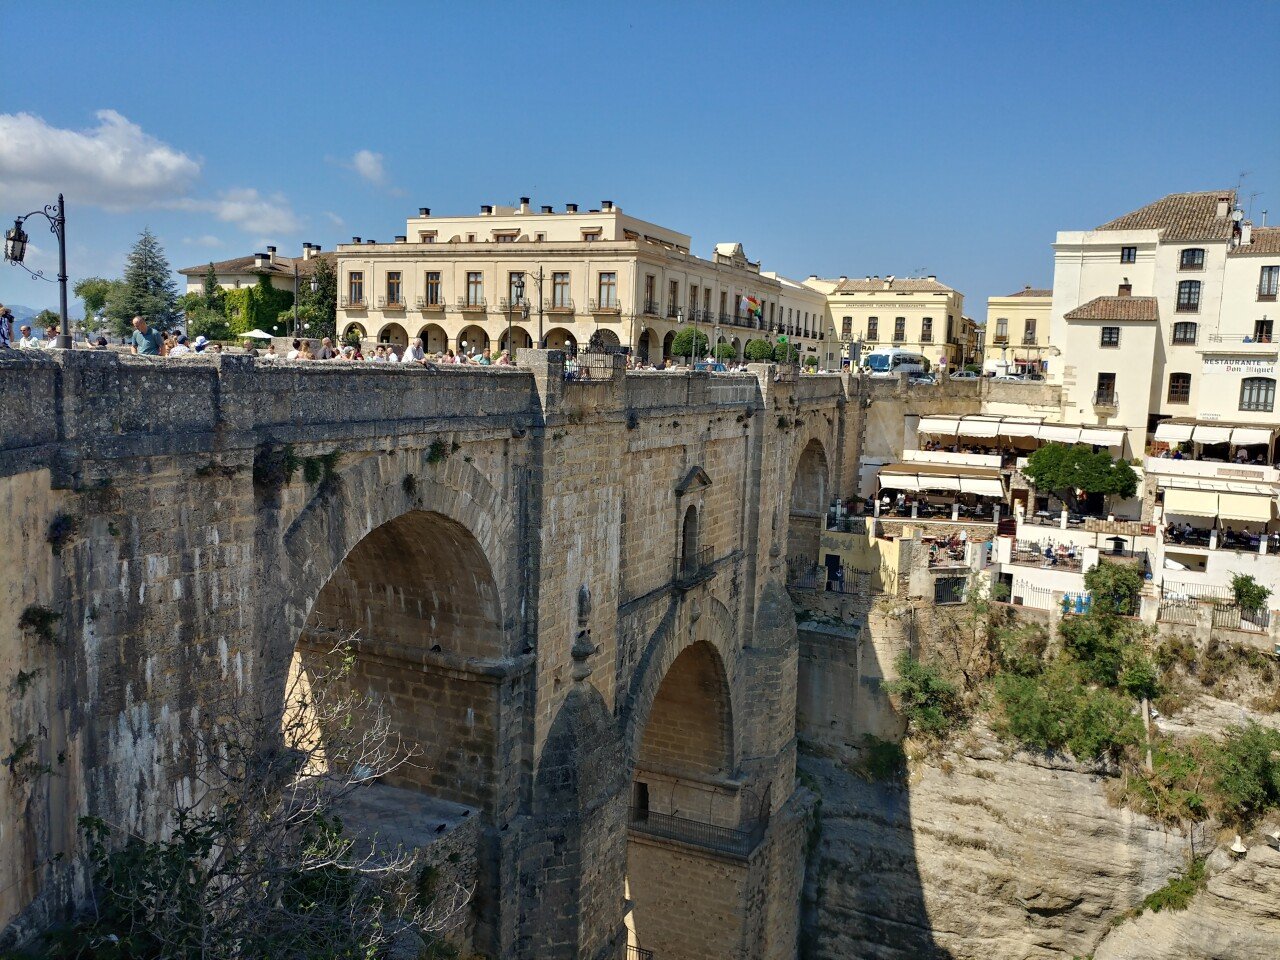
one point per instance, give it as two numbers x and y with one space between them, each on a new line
245 271
917 314
455 282
1016 334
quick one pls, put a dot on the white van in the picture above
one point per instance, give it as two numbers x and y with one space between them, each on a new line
891 361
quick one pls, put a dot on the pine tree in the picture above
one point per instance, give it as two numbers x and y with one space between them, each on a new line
322 305
213 293
148 289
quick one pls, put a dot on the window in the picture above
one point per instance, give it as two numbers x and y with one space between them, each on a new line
650 293
846 328
426 236
355 286
706 299
505 237
1191 259
471 238
693 298
673 297
1106 392
540 237
433 287
1185 332
395 288
475 289
1128 254
560 290
1028 331
1002 330
1262 331
608 287
590 236
1189 296
1179 388
899 329
926 330
873 328
1258 394
724 304
1110 337
1268 283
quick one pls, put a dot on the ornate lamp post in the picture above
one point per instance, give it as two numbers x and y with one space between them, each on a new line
15 248
517 291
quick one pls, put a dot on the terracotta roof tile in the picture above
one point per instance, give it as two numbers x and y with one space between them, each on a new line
1116 308
283 266
1031 292
897 285
1265 240
1181 216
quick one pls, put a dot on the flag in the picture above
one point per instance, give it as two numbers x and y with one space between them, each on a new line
753 307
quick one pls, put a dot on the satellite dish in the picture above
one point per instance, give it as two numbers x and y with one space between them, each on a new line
1237 215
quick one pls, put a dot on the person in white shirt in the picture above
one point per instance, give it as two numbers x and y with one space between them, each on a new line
27 341
297 349
179 348
414 353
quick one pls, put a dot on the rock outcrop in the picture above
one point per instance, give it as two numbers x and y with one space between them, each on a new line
981 855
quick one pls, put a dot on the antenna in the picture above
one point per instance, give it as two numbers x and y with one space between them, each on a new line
1253 196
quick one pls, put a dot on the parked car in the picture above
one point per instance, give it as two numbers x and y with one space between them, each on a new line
1014 377
964 375
714 366
1035 377
922 379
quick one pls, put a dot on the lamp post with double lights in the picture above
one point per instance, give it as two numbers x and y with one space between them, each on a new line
524 306
517 293
15 248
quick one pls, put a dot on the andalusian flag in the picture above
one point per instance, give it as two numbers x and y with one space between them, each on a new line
753 307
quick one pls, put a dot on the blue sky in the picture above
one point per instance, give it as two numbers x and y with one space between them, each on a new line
831 139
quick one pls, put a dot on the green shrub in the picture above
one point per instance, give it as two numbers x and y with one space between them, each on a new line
929 701
726 351
1114 588
689 343
758 351
1179 891
1246 771
883 759
1249 594
1058 710
1178 787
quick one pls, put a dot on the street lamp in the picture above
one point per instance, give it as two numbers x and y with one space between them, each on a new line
517 290
693 353
15 248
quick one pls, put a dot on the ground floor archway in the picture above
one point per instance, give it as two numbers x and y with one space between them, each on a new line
520 338
393 334
434 338
473 340
558 338
667 342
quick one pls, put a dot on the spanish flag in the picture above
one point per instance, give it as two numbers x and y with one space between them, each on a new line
753 307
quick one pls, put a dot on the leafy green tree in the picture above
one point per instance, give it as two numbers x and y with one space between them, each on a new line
147 290
758 351
929 701
810 361
1063 470
726 351
93 292
213 295
689 343
1246 770
785 352
1114 588
322 304
1250 595
43 320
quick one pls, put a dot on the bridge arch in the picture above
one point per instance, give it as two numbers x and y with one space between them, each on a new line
807 504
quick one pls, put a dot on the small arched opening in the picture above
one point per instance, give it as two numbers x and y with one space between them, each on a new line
558 338
434 338
393 334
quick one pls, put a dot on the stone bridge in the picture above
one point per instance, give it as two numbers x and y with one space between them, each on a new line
568 594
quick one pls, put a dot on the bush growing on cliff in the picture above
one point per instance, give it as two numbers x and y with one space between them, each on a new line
1246 771
1057 711
929 701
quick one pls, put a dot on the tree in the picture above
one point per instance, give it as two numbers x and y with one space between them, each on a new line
1250 595
214 296
758 351
785 352
1064 470
147 290
258 863
45 319
322 304
929 701
689 342
726 351
94 292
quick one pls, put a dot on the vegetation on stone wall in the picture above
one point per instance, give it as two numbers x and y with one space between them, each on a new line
257 307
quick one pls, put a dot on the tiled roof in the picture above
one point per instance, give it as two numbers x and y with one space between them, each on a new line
282 267
898 285
1265 240
1181 216
1116 308
1031 292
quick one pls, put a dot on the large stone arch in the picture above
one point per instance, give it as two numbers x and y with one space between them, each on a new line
806 503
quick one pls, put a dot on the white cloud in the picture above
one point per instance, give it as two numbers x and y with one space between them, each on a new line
115 165
248 210
207 240
369 165
336 220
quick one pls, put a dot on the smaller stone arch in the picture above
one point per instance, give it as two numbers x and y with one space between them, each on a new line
558 338
737 347
607 337
667 343
689 541
644 346
519 337
393 334
472 339
434 338
353 331
807 505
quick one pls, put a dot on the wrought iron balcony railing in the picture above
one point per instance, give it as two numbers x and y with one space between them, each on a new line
735 840
424 303
472 304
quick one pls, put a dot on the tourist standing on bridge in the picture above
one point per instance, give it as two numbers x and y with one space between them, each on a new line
146 340
6 327
414 353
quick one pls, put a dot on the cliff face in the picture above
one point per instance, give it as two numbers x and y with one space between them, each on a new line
979 856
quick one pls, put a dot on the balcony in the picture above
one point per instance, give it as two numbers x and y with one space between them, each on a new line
472 304
430 305
560 305
352 303
926 338
1000 338
604 306
1106 400
736 841
672 311
694 568
651 308
1168 467
1267 294
638 953
1260 341
387 303
1028 341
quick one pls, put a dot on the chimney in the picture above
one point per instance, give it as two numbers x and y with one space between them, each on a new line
1026 286
546 208
486 210
424 211
271 254
355 239
524 204
260 260
933 277
843 278
1246 233
307 252
1224 206
401 238
367 242
570 208
1126 289
888 281
606 206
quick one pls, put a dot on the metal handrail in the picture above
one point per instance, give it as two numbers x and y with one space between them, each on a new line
638 953
1106 399
740 841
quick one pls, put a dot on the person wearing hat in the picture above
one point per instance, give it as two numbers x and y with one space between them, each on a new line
201 342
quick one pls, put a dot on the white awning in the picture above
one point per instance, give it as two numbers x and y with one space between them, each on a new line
979 429
1244 436
1191 503
939 483
899 481
1059 433
1102 436
981 486
1167 432
938 426
1029 430
1240 506
1203 433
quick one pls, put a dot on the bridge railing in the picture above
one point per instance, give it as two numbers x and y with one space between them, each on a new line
735 840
